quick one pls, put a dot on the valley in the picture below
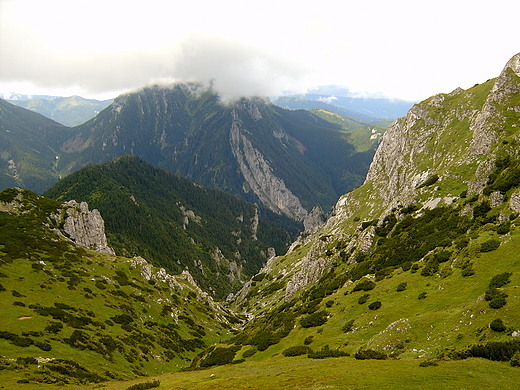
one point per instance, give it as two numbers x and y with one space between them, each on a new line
411 281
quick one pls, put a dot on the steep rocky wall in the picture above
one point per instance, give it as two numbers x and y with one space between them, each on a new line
85 227
258 174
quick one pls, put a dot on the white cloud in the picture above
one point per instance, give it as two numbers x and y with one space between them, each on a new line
397 49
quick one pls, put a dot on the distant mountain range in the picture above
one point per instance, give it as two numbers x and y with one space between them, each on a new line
287 160
69 111
367 109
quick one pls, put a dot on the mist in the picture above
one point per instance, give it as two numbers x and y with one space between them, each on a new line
235 68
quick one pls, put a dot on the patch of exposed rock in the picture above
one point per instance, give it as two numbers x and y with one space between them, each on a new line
85 227
270 189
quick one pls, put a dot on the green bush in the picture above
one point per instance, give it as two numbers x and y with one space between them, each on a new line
430 268
249 352
219 356
297 350
21 341
489 245
468 270
308 340
428 363
497 325
263 340
315 319
375 305
497 303
43 346
499 350
145 385
504 227
402 286
428 182
494 293
363 299
365 285
515 360
422 295
500 280
348 327
406 266
365 354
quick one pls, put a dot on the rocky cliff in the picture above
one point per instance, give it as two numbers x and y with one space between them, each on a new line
85 227
445 148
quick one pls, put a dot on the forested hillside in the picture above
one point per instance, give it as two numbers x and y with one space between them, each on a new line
175 224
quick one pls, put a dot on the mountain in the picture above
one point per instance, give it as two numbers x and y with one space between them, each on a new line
72 313
302 103
413 278
29 147
420 262
177 225
69 111
289 161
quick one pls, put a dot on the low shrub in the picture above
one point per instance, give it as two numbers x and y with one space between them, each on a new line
348 327
497 325
219 356
430 268
493 293
145 385
375 305
499 350
315 319
515 360
365 354
43 346
504 227
249 352
422 295
497 303
500 280
428 363
297 350
489 245
428 182
22 341
402 286
363 298
308 340
365 285
468 271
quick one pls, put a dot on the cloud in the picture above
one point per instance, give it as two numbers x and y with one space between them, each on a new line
235 68
328 99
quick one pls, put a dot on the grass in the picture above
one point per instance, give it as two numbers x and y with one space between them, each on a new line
336 373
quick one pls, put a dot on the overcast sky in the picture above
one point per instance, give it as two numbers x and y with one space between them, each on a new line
403 49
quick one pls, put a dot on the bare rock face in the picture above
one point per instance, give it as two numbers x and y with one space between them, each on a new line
489 121
85 227
311 268
259 175
314 219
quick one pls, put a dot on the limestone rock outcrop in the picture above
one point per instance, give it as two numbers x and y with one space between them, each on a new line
85 227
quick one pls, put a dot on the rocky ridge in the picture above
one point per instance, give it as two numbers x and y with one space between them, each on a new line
444 148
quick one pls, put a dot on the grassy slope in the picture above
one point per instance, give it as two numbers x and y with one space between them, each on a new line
341 373
86 292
